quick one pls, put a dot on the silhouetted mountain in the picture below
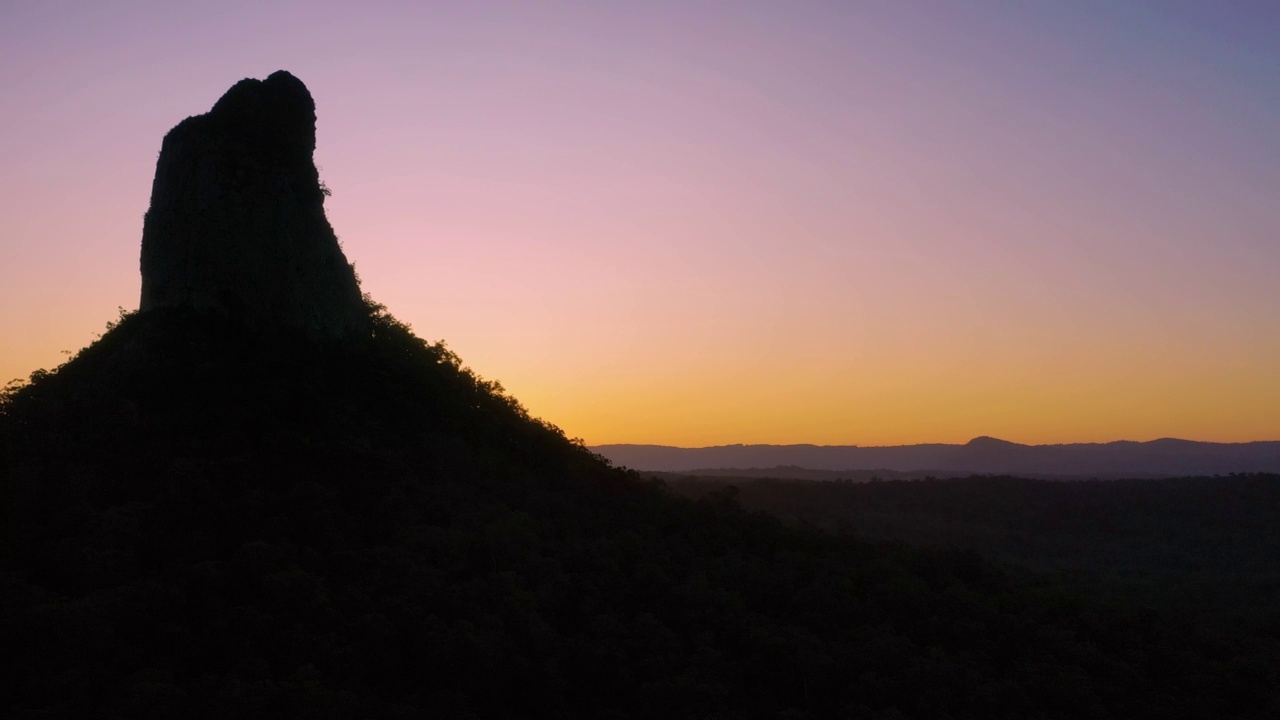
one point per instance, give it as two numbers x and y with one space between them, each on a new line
237 223
983 455
217 511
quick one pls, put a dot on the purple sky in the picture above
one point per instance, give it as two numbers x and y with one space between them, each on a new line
697 223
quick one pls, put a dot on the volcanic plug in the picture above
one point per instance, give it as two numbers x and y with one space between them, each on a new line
237 225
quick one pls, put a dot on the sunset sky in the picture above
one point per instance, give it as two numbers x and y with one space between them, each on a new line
698 223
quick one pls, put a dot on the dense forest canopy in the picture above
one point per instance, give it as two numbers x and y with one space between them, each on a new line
1204 546
207 520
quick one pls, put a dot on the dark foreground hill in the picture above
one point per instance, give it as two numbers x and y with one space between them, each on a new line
205 521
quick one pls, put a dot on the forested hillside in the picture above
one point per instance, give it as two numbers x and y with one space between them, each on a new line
201 520
1204 546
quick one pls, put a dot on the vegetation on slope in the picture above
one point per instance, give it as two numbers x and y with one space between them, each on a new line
204 521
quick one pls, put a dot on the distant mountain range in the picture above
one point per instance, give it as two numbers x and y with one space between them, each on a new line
984 455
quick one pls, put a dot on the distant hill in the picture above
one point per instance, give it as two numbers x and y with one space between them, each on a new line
984 455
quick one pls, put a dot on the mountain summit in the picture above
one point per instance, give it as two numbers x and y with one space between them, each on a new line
237 224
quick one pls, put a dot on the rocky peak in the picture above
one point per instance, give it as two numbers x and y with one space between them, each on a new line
237 224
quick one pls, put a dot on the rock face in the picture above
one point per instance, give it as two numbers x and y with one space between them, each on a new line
237 224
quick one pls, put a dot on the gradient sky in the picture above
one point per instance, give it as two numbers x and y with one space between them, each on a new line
698 223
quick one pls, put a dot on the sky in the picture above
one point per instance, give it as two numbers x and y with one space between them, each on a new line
701 223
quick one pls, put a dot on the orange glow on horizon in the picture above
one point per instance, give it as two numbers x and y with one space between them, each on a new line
829 223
